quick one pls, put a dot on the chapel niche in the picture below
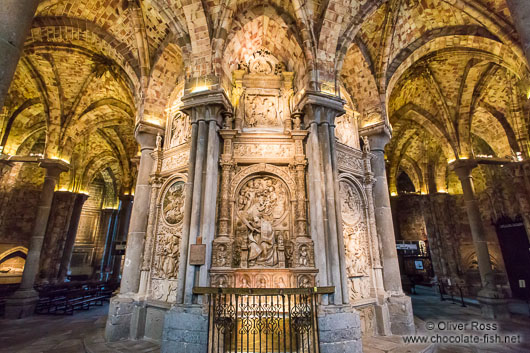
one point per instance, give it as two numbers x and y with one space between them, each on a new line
262 239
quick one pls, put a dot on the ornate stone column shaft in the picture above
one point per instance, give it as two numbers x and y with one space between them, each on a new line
205 110
22 302
520 11
146 137
320 111
15 22
70 236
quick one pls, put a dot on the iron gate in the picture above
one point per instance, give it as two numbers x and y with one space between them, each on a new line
262 320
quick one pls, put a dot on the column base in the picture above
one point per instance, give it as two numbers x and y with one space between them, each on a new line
121 310
382 317
492 305
21 304
401 316
339 329
185 330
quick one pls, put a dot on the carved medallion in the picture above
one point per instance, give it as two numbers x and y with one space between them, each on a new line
173 204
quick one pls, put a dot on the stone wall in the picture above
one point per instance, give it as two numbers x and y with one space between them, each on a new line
441 219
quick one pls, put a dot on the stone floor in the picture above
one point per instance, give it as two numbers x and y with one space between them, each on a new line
83 332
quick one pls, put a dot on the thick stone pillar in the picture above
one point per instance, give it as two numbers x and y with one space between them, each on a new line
124 217
146 137
185 325
22 302
56 232
122 306
399 305
520 11
335 315
70 236
108 234
15 21
493 305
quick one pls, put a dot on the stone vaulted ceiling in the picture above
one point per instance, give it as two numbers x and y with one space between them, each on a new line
448 75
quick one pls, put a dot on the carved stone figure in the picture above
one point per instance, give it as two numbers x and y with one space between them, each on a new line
366 144
262 206
354 230
304 256
180 130
345 130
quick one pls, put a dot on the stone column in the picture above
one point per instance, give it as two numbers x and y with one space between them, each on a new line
520 11
124 305
320 111
15 21
70 236
205 110
146 137
335 315
124 217
55 238
109 239
22 302
493 305
186 324
399 305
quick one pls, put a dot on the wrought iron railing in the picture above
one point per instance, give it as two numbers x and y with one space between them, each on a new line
262 320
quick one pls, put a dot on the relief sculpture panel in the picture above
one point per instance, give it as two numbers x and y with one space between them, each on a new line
167 251
180 130
263 220
355 241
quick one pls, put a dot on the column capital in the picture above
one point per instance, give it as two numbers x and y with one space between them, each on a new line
463 167
54 167
206 105
320 108
378 134
125 198
145 134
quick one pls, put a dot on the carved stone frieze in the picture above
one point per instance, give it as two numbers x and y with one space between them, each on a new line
263 150
350 160
175 160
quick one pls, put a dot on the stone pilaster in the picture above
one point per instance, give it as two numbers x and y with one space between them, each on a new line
124 217
70 236
15 22
22 302
399 305
520 11
187 320
123 305
336 315
205 110
320 111
493 305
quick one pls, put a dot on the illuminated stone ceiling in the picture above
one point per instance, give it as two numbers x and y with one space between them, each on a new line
445 73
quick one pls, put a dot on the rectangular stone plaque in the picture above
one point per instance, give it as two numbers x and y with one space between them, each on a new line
197 254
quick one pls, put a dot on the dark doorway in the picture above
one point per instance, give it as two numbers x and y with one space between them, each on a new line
515 248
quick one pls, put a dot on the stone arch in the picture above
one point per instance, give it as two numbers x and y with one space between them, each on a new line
247 172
